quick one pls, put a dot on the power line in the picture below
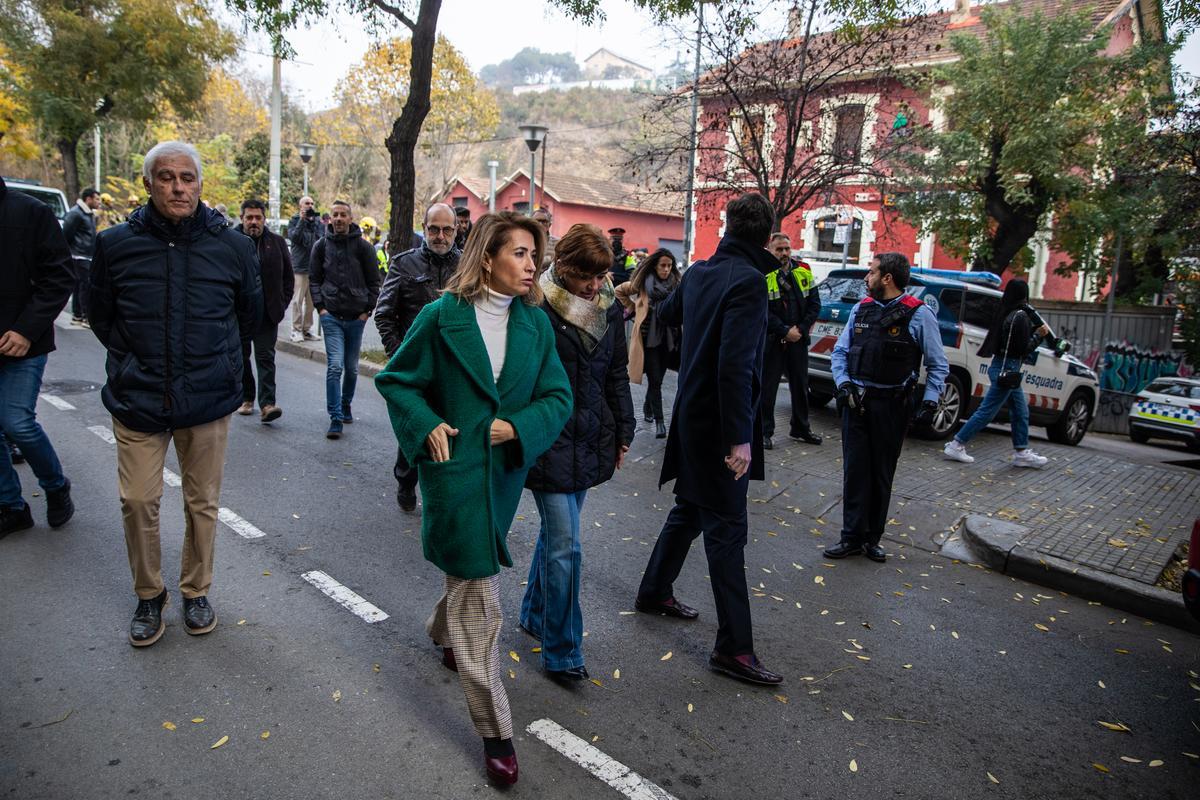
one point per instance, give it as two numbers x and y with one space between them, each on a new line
483 141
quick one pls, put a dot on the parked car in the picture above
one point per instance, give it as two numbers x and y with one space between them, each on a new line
47 194
1191 578
1063 392
1169 408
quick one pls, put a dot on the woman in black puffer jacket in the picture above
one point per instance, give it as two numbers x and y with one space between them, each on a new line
590 334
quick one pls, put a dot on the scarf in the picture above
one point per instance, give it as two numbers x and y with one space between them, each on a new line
590 318
657 334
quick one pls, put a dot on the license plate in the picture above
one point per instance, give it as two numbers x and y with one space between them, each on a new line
826 329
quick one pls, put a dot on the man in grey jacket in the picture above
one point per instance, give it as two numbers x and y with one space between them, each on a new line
304 230
80 229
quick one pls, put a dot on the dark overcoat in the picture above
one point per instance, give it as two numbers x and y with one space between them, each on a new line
722 306
442 373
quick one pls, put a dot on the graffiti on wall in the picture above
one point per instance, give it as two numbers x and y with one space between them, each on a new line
1129 368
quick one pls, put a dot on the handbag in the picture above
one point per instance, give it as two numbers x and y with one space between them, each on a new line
1009 378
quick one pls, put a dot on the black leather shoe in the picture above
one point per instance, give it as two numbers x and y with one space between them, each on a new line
805 436
59 507
198 615
502 769
768 443
406 496
572 675
843 550
874 552
660 430
745 668
15 519
147 626
669 607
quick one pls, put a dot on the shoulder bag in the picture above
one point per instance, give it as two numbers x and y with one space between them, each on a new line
1009 378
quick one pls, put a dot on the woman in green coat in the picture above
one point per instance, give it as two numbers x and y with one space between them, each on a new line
476 393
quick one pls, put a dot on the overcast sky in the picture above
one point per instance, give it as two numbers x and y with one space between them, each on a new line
487 35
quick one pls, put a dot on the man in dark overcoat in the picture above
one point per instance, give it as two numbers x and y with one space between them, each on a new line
714 447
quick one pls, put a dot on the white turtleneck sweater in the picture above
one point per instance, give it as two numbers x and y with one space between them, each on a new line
491 314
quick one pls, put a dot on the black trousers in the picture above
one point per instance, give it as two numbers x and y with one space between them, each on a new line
264 359
871 444
782 358
655 363
724 544
83 284
406 475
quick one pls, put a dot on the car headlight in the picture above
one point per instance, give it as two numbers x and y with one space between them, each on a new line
1079 370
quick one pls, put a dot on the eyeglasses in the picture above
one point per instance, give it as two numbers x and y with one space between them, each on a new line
440 231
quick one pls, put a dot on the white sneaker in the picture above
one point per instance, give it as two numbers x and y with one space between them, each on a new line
1028 458
297 336
956 452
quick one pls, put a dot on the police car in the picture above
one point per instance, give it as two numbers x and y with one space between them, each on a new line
1063 393
1169 408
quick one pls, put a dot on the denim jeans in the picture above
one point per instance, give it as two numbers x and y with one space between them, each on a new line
20 382
994 400
343 340
550 610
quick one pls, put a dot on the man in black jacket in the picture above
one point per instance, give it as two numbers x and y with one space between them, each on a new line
415 278
35 282
304 230
714 447
793 304
344 280
175 294
275 271
80 229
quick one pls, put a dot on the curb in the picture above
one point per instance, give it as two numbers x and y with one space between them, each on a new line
313 353
999 545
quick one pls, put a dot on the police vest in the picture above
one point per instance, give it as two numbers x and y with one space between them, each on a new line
802 275
882 350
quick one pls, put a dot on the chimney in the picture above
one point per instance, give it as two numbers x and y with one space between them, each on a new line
795 25
962 10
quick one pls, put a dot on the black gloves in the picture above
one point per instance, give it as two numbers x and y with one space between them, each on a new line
925 415
850 396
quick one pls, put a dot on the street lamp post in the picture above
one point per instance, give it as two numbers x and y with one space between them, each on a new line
307 151
534 135
492 165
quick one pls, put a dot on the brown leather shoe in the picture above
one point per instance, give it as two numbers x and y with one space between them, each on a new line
745 668
271 412
246 408
669 608
448 660
502 769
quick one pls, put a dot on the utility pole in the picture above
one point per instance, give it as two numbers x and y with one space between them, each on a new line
492 185
96 147
1102 361
276 134
689 230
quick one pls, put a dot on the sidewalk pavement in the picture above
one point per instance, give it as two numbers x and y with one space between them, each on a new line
1090 524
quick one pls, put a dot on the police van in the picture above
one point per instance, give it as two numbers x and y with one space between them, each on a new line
1063 392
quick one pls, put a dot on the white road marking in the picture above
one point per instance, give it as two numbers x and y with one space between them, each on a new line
103 432
240 526
609 770
57 402
348 599
171 479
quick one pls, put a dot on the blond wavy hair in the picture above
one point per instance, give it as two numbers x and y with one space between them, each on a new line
489 234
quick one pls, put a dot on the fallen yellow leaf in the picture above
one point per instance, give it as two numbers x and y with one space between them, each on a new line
169 725
690 708
616 674
197 719
1041 627
820 579
513 655
374 668
267 573
1131 760
512 674
241 622
993 778
1101 684
908 666
667 657
847 716
1155 763
954 634
265 735
1100 767
853 765
337 695
782 698
219 742
1119 727
535 650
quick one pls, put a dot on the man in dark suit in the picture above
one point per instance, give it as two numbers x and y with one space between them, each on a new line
723 310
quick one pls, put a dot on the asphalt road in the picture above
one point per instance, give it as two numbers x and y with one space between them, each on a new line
920 678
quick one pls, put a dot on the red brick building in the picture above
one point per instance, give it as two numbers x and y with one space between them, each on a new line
865 111
650 220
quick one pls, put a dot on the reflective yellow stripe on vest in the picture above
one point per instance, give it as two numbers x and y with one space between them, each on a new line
802 276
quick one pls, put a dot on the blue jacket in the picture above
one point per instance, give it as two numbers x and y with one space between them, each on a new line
173 304
722 306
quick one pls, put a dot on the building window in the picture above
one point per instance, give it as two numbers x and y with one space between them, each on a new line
521 206
848 133
751 131
460 202
826 228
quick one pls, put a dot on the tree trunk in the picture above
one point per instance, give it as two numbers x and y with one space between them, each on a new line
1015 225
66 149
406 130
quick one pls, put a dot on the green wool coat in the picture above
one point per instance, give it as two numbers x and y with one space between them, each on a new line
442 373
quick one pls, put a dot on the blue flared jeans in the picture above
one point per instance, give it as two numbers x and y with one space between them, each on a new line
550 610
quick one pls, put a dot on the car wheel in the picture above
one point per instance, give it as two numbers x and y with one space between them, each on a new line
818 399
1138 435
1073 423
951 407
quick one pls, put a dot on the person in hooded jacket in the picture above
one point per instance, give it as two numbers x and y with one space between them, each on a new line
589 332
344 280
175 296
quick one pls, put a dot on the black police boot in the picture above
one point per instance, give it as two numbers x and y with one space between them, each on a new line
148 626
874 552
59 507
660 430
198 615
15 519
843 550
805 436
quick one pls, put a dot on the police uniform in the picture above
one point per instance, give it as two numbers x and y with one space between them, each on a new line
875 364
792 300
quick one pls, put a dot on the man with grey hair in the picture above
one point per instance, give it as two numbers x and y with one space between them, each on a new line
415 278
175 295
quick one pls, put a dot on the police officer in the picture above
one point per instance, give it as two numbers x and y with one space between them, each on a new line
875 365
623 262
793 304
